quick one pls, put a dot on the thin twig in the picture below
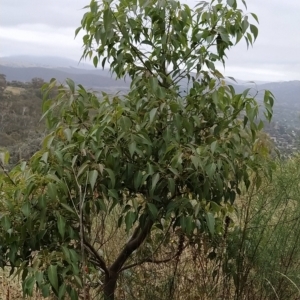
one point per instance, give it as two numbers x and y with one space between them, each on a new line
7 174
272 288
294 284
150 260
81 231
98 258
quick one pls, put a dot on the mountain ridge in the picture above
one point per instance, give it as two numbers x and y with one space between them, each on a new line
284 128
75 67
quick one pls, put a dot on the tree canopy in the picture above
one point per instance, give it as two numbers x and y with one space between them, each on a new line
167 157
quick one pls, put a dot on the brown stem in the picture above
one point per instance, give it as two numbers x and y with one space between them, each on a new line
7 174
97 257
138 237
134 243
150 260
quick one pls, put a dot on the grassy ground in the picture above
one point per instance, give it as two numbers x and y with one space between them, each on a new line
258 258
10 289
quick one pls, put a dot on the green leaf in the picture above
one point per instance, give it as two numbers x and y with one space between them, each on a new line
46 290
196 161
71 85
245 4
73 294
188 224
213 146
254 31
153 83
132 148
78 281
44 157
95 61
113 193
26 209
155 179
153 210
129 220
210 170
152 114
61 225
107 19
210 221
74 159
52 275
68 134
231 3
171 186
39 276
77 30
232 78
4 157
51 191
93 175
29 284
5 222
245 25
260 125
138 180
112 177
62 291
146 42
255 17
82 169
125 123
68 208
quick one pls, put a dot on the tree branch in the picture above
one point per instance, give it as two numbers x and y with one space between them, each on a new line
7 174
134 243
98 258
149 260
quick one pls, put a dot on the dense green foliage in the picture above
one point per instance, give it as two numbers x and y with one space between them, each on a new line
263 249
153 164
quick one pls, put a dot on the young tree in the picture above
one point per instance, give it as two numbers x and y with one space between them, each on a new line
37 82
166 156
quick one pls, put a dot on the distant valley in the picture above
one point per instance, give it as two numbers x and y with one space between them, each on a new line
284 129
22 69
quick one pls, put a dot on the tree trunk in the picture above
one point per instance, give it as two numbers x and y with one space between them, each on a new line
110 284
112 273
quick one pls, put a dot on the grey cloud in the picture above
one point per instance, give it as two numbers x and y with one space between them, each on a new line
68 49
275 55
55 13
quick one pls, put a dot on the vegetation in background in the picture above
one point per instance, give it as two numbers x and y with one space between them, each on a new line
21 131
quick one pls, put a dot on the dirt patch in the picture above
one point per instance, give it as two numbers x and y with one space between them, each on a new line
14 90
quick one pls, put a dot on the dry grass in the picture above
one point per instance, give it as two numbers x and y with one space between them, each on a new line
11 289
194 276
14 90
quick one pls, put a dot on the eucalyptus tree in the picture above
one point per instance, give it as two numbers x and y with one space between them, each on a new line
167 156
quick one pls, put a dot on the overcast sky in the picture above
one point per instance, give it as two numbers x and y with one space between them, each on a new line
36 27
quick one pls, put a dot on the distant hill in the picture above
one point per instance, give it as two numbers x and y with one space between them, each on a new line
69 68
24 68
284 129
90 79
43 61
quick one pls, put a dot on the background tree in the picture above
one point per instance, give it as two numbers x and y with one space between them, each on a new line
163 160
2 83
37 82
